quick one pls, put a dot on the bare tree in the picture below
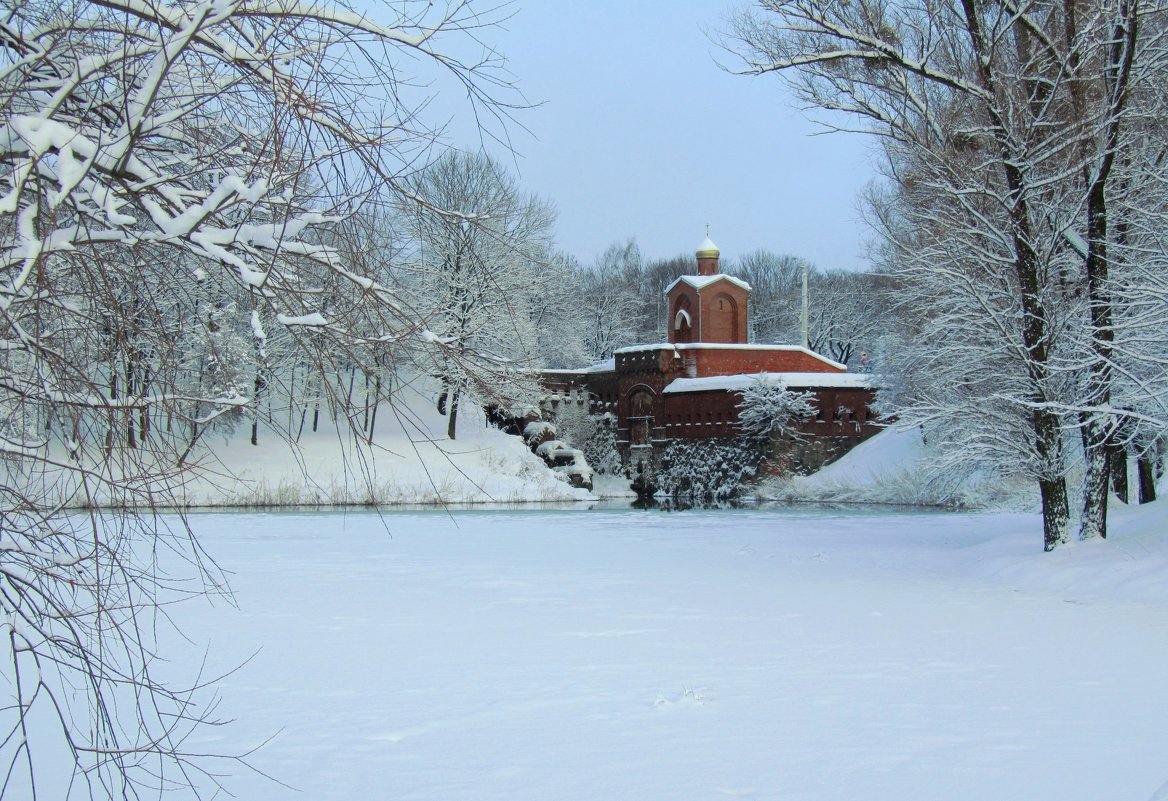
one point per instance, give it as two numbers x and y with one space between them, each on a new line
165 171
999 123
847 313
775 297
474 271
612 287
558 315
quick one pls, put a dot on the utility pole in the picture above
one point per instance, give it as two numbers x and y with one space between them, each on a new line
803 316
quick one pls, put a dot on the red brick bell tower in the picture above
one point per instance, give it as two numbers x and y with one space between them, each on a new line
708 307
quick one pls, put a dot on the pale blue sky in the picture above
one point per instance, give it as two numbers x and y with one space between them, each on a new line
642 135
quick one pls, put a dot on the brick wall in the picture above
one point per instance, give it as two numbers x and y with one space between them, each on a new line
647 417
730 361
724 313
699 415
640 378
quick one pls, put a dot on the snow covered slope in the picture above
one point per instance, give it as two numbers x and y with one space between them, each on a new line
895 467
409 461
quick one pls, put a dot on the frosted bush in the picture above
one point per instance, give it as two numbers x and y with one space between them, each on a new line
708 470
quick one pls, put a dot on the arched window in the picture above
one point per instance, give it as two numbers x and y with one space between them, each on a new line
681 327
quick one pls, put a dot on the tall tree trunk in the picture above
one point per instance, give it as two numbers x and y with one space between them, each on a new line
452 414
1119 483
144 412
1097 432
376 403
365 416
1053 491
1047 426
131 430
1055 512
1146 469
1048 440
255 421
1096 483
110 417
292 402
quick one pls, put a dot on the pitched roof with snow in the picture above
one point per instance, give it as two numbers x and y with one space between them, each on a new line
700 282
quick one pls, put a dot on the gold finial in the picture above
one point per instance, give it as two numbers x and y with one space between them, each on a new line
707 250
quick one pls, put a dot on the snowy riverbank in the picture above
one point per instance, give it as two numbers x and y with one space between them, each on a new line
410 461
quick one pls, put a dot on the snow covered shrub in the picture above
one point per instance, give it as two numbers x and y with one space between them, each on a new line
708 470
600 447
769 409
538 431
594 434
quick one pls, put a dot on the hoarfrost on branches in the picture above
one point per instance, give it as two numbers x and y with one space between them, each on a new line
708 470
768 409
172 180
1020 216
591 432
473 275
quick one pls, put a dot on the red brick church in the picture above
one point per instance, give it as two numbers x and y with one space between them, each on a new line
690 386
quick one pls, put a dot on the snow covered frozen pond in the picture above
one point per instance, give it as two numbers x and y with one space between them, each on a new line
690 655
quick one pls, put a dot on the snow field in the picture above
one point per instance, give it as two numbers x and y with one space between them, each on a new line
731 654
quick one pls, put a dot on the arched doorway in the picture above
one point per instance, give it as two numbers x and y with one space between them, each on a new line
641 402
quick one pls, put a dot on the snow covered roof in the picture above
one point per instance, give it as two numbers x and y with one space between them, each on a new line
707 249
606 366
680 346
785 380
700 282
